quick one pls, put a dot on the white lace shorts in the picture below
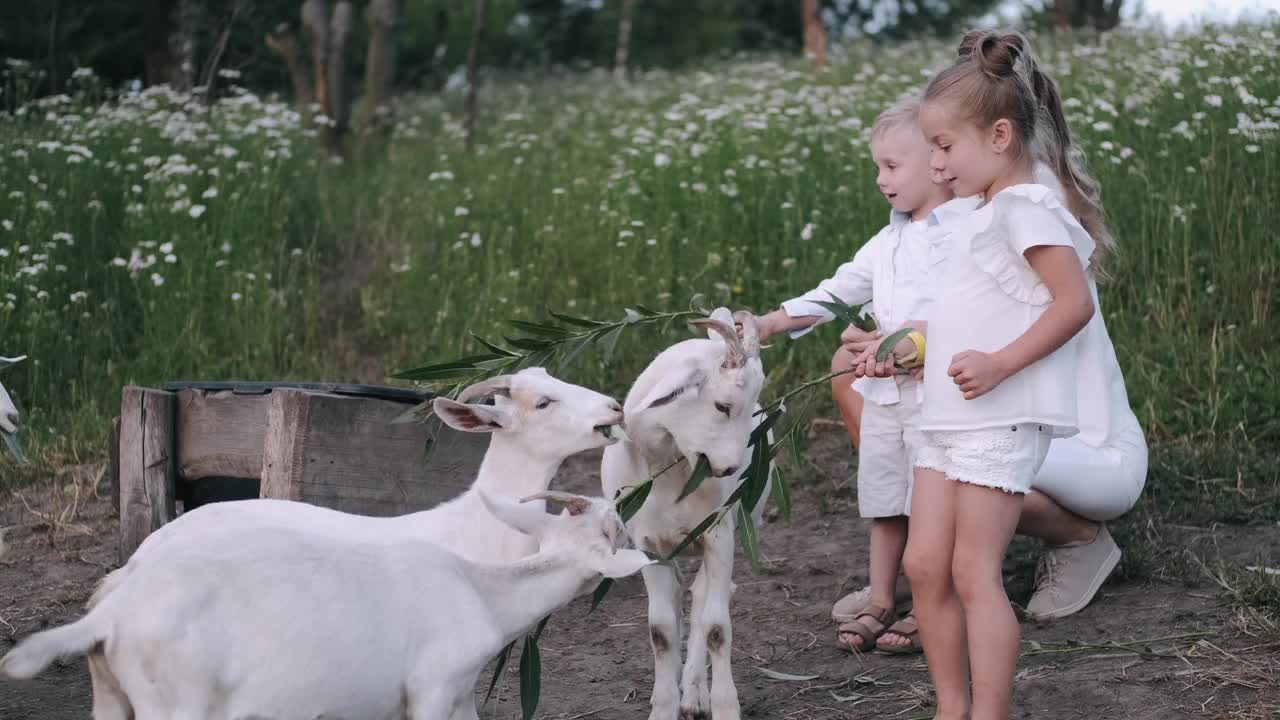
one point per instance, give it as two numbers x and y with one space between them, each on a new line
1001 458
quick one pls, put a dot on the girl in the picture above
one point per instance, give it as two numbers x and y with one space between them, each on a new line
999 378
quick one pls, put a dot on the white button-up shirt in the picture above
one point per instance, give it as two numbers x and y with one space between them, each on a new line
891 272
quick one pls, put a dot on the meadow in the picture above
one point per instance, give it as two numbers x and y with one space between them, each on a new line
148 236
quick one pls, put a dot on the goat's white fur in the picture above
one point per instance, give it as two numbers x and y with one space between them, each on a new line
8 411
672 413
529 440
276 622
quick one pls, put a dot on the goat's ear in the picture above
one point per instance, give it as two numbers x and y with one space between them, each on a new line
471 418
529 519
725 316
623 563
673 386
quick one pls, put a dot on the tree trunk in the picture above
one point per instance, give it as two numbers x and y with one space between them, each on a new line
315 23
157 18
339 93
473 79
282 42
815 35
624 41
55 77
182 45
383 19
209 75
1061 14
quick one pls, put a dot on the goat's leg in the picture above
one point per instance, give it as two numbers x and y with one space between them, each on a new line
718 565
109 701
695 697
662 584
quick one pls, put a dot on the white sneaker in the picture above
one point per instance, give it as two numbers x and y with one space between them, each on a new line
1070 575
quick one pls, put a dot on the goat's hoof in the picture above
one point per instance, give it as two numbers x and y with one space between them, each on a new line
695 714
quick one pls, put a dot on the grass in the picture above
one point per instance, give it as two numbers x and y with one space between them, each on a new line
747 181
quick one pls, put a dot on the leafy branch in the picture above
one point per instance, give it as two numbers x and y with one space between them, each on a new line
557 344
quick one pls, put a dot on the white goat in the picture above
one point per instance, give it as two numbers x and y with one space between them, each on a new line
536 423
278 622
696 397
9 411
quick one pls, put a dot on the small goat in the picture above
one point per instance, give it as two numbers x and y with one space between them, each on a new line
335 627
697 397
536 423
8 411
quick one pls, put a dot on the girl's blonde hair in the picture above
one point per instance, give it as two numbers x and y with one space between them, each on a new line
906 111
997 76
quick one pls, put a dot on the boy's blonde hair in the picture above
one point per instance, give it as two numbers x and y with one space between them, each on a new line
906 111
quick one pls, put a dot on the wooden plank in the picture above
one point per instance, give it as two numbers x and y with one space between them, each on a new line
220 434
113 464
146 465
343 452
281 470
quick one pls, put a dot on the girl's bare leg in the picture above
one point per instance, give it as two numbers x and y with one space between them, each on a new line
985 519
928 561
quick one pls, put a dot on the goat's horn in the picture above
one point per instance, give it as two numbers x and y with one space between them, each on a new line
497 385
577 504
750 333
737 354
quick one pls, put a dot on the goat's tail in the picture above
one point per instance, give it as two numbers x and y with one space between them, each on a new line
34 654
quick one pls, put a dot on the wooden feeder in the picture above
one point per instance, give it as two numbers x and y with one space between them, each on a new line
323 443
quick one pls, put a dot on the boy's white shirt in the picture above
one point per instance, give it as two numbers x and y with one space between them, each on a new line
870 277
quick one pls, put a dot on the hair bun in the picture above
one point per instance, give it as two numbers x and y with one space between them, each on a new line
994 53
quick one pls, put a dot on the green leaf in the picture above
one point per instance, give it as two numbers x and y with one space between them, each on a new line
887 345
429 449
699 474
496 350
747 537
761 431
601 590
781 494
694 534
539 329
503 657
785 677
647 312
757 475
580 322
573 353
629 505
527 343
611 341
461 367
530 676
11 440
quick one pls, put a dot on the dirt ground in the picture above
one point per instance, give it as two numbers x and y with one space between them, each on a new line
1183 651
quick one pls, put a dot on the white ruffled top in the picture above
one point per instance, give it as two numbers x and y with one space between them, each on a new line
988 295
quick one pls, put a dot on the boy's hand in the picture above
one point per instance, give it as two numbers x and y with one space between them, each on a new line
857 340
867 366
977 373
764 327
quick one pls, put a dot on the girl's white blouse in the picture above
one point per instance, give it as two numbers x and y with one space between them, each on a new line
987 296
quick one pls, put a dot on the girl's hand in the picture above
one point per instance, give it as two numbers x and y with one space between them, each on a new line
857 340
977 373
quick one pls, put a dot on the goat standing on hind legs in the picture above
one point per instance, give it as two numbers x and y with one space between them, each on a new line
697 397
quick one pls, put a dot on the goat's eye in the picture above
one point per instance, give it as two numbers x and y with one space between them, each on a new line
544 403
722 407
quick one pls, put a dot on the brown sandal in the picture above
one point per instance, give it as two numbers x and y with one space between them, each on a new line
882 615
849 608
908 628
